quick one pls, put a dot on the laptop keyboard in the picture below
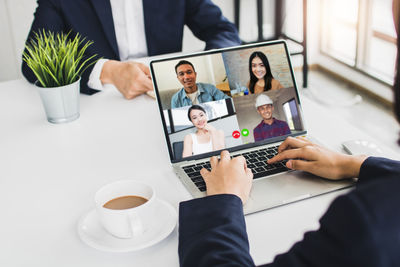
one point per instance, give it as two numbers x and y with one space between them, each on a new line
256 161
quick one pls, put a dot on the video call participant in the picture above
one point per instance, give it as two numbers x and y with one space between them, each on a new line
269 126
359 229
192 92
206 138
125 30
261 78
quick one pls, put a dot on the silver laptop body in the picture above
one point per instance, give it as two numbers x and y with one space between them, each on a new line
229 70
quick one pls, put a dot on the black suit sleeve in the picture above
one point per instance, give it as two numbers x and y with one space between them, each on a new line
217 237
343 239
48 16
212 232
207 23
375 169
359 229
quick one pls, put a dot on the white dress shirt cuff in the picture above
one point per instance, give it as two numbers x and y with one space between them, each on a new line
94 77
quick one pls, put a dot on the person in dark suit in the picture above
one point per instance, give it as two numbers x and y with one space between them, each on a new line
154 26
361 228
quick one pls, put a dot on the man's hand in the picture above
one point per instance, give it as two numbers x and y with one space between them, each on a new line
130 78
228 176
307 156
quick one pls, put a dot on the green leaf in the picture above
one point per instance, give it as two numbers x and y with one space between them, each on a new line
57 59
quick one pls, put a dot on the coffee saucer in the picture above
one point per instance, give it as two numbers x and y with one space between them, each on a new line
93 234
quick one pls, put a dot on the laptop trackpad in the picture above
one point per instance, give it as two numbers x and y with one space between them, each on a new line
288 187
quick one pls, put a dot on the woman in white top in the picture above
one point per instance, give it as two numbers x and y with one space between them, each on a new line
206 138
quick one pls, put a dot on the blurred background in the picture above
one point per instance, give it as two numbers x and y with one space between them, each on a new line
351 40
342 35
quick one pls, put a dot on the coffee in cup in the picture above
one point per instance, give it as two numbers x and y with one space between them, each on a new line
125 202
125 208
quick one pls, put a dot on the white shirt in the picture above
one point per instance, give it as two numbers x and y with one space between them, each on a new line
200 148
131 38
193 97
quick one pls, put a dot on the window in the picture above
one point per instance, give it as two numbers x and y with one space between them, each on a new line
292 115
288 114
380 42
339 29
361 34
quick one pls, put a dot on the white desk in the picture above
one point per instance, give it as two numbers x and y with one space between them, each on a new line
49 174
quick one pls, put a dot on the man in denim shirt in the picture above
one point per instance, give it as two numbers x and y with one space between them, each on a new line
192 92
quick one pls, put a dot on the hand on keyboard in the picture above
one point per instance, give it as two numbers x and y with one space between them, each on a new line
228 176
307 156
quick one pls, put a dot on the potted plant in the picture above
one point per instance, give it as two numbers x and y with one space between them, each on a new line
58 62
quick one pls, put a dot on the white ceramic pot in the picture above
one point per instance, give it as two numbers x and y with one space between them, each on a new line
61 104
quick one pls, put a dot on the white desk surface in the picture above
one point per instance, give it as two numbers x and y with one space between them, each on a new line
49 174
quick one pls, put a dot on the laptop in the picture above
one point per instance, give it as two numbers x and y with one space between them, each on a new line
243 99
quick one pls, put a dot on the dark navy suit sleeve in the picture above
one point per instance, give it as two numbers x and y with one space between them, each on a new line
361 228
212 232
207 23
375 169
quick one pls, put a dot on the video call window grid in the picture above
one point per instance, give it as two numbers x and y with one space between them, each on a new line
230 68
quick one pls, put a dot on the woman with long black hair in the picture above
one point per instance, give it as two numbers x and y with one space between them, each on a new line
261 78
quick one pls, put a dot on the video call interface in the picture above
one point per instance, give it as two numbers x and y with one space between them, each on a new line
227 99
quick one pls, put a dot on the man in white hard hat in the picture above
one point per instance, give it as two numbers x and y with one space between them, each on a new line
269 126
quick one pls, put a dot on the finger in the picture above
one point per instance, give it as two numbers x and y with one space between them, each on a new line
287 154
240 160
249 173
225 156
240 163
144 68
300 153
291 142
138 87
205 174
130 93
302 165
148 85
145 83
273 159
303 138
213 162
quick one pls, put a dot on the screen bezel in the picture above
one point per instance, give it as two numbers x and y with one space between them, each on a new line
231 149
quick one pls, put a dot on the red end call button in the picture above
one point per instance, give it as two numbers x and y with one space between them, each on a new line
236 134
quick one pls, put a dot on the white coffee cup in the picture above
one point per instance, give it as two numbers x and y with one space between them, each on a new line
125 223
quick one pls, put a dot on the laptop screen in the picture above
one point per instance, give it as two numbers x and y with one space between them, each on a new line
227 99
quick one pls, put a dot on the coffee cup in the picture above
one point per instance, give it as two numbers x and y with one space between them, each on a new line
125 208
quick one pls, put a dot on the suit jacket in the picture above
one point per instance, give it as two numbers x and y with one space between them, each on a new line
361 228
163 19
